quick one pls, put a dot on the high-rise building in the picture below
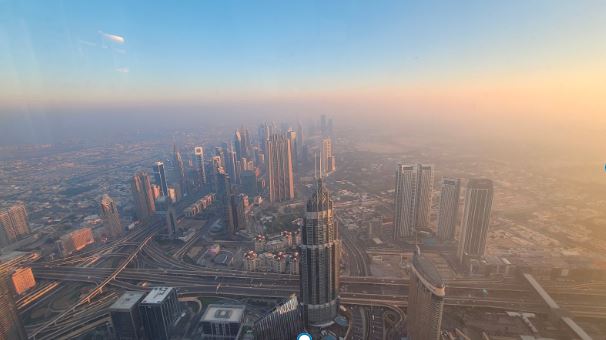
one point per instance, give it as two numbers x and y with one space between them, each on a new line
199 155
231 166
278 159
11 327
111 217
160 178
248 179
13 224
75 241
449 208
125 316
476 218
238 145
143 196
292 138
159 310
282 322
179 169
222 322
425 300
320 259
23 279
224 197
326 156
412 199
238 211
171 221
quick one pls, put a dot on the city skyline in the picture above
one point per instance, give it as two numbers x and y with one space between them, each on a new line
317 170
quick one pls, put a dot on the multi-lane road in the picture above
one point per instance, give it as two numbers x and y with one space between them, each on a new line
142 261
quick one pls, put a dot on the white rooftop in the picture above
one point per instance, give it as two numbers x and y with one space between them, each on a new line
157 295
224 313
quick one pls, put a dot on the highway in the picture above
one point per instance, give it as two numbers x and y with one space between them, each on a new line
144 261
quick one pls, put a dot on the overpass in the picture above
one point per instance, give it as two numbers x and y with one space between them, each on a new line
555 308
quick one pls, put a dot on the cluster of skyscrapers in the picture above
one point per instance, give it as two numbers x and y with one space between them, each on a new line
136 315
413 200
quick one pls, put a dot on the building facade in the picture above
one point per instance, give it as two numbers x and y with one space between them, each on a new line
159 310
13 224
143 197
283 322
199 165
11 327
222 322
111 217
412 199
75 241
160 178
320 252
476 218
425 300
125 316
278 160
23 280
449 208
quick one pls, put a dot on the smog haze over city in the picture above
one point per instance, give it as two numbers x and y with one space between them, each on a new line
302 170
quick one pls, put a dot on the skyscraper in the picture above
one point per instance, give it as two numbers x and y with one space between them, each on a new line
425 300
171 221
238 145
11 327
449 208
231 166
159 310
160 177
320 257
412 199
179 169
125 315
476 218
199 154
238 211
278 159
282 322
292 139
143 196
13 224
111 217
326 155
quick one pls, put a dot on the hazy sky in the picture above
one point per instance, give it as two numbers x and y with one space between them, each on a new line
447 59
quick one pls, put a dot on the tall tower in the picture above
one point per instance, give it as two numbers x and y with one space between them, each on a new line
292 139
476 218
179 169
326 156
11 327
449 208
13 223
199 154
143 196
111 217
278 159
425 300
412 199
320 251
160 178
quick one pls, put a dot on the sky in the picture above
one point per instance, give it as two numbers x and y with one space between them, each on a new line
449 60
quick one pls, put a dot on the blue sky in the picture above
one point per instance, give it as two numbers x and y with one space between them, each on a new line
62 51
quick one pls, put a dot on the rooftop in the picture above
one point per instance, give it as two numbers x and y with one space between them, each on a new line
224 313
157 295
427 270
127 301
